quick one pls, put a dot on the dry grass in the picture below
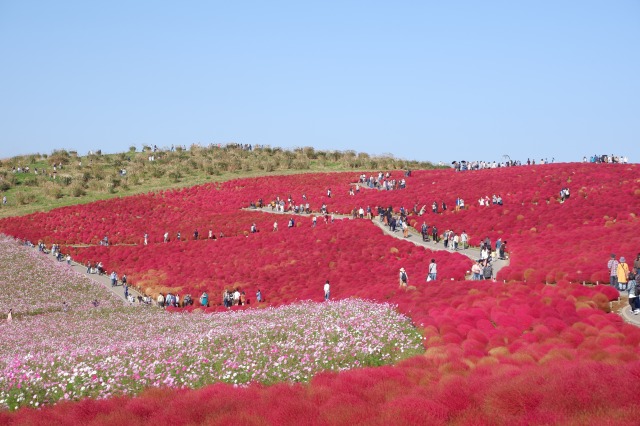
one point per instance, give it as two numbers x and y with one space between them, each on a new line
84 179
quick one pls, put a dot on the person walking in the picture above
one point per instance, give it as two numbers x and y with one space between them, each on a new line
487 271
404 278
327 289
476 270
433 271
204 299
612 264
632 288
423 231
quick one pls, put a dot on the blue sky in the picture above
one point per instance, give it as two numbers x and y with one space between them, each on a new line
434 81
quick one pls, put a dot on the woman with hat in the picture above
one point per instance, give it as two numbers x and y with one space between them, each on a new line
403 278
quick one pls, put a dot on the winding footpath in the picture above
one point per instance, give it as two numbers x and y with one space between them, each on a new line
103 280
414 237
472 253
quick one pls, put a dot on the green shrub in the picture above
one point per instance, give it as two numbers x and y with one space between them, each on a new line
5 185
23 197
77 190
157 172
134 179
53 191
64 180
30 181
175 175
212 171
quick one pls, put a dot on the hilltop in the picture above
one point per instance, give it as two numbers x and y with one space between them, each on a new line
41 182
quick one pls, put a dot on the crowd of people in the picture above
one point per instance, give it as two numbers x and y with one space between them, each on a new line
382 181
624 278
606 159
464 165
230 298
173 300
38 171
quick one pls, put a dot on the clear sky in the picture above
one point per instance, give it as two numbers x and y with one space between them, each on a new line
425 80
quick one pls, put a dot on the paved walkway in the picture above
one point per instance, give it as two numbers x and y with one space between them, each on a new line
103 280
472 252
414 237
626 313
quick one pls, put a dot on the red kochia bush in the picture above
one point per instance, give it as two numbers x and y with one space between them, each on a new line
540 357
548 241
560 393
286 266
496 353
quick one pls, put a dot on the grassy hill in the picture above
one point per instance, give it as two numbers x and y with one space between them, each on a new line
80 179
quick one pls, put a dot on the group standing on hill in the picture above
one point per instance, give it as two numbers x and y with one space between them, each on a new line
624 278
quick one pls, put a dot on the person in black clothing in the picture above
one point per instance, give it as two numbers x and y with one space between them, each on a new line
425 234
502 249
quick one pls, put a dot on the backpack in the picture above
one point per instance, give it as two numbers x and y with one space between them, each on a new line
488 271
403 277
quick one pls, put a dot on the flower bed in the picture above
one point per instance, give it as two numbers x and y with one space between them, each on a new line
288 265
495 353
98 354
544 235
485 345
33 284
